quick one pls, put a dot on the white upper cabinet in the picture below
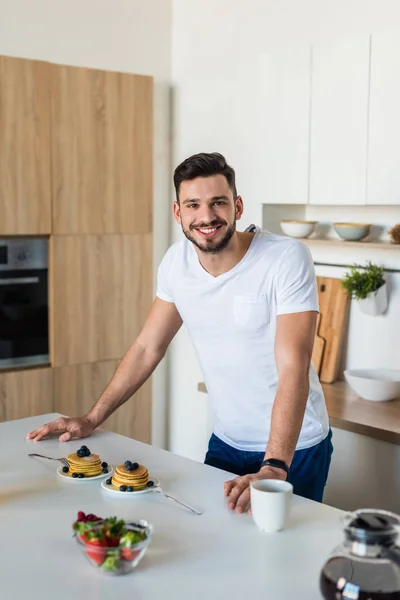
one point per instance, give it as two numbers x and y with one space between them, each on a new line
339 122
282 135
383 184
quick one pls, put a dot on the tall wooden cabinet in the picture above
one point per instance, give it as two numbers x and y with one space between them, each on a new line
101 151
26 393
76 148
102 290
24 147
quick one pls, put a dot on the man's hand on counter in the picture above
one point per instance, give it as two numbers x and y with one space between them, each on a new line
70 429
238 489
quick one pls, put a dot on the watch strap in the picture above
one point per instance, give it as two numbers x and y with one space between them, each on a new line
276 463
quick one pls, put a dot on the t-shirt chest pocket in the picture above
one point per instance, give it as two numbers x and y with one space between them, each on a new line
250 311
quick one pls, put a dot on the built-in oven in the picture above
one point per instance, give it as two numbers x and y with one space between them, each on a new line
24 311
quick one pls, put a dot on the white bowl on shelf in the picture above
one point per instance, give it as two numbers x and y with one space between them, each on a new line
352 232
377 385
297 229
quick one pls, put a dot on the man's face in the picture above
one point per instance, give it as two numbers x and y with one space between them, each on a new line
207 212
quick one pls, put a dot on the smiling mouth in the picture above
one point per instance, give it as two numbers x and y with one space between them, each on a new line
208 232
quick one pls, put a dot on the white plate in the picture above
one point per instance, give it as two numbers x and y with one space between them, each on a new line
68 477
111 489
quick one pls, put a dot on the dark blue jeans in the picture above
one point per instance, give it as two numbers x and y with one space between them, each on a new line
308 471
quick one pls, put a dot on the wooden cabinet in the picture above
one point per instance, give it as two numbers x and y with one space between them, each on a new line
384 122
24 146
283 124
77 387
102 124
26 393
339 122
101 289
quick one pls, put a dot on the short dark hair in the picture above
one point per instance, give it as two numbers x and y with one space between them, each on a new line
204 165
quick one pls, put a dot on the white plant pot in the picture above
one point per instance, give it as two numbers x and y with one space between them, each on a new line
376 302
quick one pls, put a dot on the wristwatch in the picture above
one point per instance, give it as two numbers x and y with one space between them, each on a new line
277 464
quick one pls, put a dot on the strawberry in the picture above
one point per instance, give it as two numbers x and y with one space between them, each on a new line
129 540
95 548
112 541
128 554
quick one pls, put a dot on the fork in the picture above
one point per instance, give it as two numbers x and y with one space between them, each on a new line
63 461
160 491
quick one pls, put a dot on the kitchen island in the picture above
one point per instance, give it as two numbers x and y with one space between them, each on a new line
217 555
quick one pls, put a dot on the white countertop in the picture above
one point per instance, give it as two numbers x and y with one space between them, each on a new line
219 555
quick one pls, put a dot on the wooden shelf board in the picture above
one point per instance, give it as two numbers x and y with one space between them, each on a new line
346 244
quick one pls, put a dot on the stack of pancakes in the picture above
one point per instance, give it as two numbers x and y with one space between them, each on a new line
90 466
136 478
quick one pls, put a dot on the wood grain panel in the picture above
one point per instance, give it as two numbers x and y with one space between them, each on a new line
102 145
380 420
77 387
334 304
26 393
25 205
102 291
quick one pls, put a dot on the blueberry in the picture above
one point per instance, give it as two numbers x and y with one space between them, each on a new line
74 475
84 448
104 465
65 469
87 452
122 488
135 466
129 488
109 481
81 475
105 470
150 483
81 453
128 464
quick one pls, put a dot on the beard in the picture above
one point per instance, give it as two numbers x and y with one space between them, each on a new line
211 246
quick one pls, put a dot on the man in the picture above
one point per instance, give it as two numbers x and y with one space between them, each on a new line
249 301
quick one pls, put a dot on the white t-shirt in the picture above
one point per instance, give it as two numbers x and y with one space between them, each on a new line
231 320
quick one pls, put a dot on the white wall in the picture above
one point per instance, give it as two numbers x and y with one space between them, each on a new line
216 46
122 35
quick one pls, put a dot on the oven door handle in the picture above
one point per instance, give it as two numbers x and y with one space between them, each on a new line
19 280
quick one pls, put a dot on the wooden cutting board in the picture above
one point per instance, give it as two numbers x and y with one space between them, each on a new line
334 304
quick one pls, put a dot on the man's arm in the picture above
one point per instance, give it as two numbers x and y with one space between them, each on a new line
294 340
162 324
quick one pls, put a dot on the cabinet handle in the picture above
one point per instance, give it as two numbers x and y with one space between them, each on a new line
19 280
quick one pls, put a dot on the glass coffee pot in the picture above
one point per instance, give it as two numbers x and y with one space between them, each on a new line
366 565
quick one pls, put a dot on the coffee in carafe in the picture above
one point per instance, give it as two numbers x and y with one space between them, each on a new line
366 566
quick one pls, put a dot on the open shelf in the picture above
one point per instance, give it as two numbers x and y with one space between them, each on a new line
381 245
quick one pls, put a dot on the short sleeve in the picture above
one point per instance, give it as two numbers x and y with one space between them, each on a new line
164 290
296 283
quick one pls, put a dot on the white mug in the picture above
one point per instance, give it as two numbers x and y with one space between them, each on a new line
270 503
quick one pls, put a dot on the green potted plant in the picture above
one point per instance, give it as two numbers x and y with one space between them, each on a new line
368 286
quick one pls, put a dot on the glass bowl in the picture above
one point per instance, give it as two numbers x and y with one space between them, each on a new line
117 560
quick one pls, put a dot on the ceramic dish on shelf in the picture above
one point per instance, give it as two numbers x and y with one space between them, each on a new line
297 228
376 385
352 232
